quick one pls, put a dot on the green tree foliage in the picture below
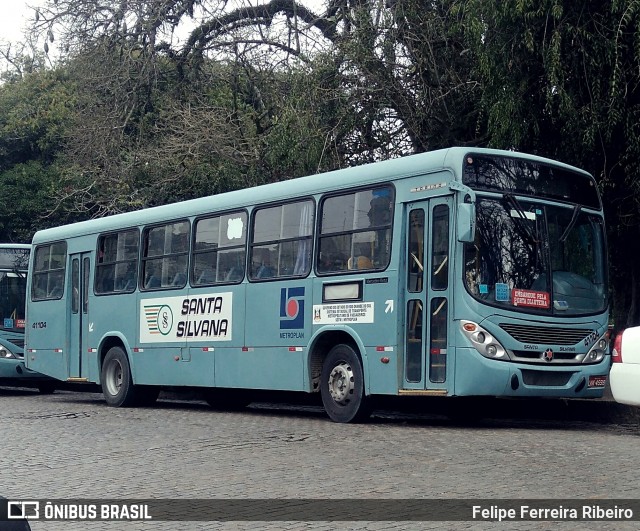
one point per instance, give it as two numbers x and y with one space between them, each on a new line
34 111
26 195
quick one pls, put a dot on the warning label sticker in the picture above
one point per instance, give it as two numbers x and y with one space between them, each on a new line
354 312
530 298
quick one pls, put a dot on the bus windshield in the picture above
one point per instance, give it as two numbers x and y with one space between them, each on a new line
537 258
13 288
13 285
530 178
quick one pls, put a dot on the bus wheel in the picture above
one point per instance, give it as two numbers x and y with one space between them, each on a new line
117 385
342 386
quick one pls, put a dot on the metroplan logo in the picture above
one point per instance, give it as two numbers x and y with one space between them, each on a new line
291 308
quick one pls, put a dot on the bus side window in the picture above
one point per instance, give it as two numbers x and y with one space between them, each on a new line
440 248
153 282
55 286
49 269
355 230
40 286
281 240
359 262
234 274
179 280
262 263
165 255
218 253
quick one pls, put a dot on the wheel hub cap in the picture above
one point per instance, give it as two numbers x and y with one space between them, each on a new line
341 383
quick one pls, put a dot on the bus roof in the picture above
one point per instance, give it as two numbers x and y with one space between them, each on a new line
392 169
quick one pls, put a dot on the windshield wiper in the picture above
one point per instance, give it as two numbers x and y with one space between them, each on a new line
576 211
521 218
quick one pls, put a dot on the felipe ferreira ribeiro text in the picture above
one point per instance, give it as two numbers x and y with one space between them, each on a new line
526 512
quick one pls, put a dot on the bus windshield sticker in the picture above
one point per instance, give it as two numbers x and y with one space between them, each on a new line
502 292
353 312
179 319
530 298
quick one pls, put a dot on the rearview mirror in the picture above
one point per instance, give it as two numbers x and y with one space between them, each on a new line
466 222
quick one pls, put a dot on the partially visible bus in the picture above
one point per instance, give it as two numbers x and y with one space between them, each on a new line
14 261
458 272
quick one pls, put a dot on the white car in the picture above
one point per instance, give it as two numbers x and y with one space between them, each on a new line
625 369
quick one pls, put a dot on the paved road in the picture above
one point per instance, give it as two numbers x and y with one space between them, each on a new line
71 445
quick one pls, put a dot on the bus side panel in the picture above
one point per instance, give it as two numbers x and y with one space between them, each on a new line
181 334
110 316
373 320
48 362
172 366
273 368
277 323
383 375
47 342
382 358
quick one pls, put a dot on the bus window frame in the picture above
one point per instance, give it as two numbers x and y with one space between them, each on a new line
193 252
318 232
144 259
251 243
97 262
48 271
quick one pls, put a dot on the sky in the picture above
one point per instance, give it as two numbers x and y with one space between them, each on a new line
15 15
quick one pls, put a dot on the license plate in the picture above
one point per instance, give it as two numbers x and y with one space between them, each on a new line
597 381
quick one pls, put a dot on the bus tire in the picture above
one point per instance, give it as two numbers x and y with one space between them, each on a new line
115 377
342 386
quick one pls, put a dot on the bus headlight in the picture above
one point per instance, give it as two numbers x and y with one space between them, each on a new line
597 352
484 342
7 354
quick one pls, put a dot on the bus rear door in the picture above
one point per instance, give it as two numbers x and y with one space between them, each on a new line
427 296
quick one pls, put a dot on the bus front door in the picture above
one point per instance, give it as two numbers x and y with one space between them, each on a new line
427 295
79 318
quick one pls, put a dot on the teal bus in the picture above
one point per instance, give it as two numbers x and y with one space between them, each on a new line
457 272
14 261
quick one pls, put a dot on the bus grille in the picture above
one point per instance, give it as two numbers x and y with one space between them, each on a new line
545 334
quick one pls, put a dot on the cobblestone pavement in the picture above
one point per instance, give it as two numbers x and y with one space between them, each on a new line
70 445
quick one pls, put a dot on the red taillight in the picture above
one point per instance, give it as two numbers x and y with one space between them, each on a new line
616 353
